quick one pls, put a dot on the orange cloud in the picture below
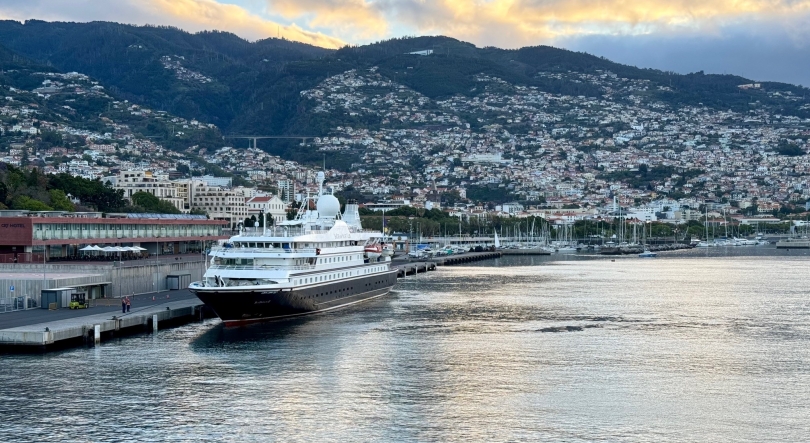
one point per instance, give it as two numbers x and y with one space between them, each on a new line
505 23
519 22
361 19
209 14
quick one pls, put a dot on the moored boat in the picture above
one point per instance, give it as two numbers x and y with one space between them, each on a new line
315 263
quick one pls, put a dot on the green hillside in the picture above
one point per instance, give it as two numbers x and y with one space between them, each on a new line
254 87
129 60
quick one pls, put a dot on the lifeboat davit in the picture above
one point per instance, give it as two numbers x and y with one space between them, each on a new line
387 251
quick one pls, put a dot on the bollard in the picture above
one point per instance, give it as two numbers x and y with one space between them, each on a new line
97 334
154 323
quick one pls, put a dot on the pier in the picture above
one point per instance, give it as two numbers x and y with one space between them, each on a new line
624 250
44 329
530 251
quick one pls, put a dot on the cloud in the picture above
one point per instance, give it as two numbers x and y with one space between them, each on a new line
360 19
515 23
688 32
191 15
756 53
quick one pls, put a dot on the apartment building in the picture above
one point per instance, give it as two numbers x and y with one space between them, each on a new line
158 185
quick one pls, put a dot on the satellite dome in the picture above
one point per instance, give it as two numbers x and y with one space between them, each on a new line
328 206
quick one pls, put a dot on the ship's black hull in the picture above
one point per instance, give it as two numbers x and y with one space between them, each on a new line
245 306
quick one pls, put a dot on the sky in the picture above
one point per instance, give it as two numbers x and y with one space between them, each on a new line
765 40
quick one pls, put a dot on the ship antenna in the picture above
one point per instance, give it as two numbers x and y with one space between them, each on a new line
321 178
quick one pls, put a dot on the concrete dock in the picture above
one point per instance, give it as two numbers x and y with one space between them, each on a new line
42 329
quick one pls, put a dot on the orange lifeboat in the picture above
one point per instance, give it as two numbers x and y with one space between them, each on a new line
373 251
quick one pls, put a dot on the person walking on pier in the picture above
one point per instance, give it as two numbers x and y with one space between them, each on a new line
129 304
124 305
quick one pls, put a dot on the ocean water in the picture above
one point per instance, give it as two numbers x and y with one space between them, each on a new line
692 346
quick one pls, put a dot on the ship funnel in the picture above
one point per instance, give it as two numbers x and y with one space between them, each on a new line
351 215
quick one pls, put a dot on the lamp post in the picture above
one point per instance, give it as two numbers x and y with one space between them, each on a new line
44 273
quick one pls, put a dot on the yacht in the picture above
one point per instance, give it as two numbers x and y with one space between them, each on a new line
793 243
320 261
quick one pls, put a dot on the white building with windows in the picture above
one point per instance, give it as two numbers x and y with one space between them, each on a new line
158 185
219 203
271 205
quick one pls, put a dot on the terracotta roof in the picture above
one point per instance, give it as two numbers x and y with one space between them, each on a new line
260 199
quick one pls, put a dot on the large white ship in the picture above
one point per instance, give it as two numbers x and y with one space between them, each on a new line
320 261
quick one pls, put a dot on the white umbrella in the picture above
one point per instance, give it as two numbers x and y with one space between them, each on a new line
110 249
138 248
128 249
89 248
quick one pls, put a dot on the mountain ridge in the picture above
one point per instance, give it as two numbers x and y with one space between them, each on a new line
254 87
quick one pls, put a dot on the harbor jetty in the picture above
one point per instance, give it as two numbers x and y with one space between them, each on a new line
527 251
623 250
37 329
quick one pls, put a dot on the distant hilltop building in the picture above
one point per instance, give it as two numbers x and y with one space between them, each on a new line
483 158
286 190
223 182
422 52
750 86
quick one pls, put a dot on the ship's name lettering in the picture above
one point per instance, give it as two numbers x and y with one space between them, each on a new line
340 236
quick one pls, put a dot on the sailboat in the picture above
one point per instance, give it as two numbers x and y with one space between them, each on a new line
497 241
705 243
647 253
567 246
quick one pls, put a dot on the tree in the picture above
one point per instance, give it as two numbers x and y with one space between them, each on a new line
24 160
59 200
28 203
150 203
52 138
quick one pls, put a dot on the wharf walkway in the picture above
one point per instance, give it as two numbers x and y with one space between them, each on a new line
406 267
42 329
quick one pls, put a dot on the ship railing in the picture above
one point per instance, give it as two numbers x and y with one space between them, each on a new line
282 232
262 267
264 250
279 231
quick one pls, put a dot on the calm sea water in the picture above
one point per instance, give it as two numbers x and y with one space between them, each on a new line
696 346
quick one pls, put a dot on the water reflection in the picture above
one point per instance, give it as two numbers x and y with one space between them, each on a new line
688 347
